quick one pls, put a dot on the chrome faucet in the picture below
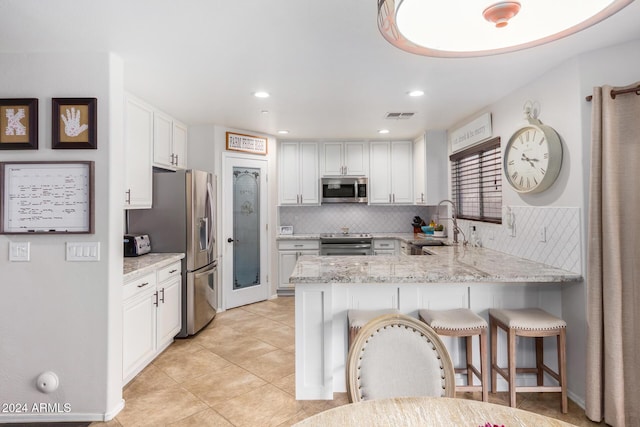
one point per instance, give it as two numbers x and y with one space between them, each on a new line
456 229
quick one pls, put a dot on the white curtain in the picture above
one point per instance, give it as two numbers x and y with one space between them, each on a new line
613 259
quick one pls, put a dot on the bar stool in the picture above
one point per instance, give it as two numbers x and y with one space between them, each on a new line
534 323
463 323
358 318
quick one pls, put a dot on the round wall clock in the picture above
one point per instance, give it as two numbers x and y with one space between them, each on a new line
533 157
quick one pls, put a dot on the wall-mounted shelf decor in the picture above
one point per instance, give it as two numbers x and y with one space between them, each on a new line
19 124
246 143
47 197
74 123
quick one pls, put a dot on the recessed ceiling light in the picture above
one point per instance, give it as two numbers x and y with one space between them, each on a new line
264 112
261 94
283 132
383 131
460 28
415 93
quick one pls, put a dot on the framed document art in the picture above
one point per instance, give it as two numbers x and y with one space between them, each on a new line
19 124
47 197
246 143
74 122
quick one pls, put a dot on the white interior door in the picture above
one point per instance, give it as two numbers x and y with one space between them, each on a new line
244 230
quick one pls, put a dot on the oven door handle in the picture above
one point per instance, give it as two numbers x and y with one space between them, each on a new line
348 246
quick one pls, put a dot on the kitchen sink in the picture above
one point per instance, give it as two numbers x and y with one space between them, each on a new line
417 245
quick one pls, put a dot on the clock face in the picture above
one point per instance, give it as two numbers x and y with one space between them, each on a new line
532 159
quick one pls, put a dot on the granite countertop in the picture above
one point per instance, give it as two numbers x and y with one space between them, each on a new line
448 264
141 265
406 237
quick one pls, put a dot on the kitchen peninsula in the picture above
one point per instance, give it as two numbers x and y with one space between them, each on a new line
452 276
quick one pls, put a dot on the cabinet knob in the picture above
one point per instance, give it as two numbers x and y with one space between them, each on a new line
230 240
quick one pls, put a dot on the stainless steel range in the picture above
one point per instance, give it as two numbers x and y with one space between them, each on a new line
345 244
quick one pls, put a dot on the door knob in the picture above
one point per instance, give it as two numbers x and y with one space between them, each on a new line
230 240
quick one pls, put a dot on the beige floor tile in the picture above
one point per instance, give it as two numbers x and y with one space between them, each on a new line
270 366
206 418
265 406
150 379
182 366
160 407
281 336
242 348
216 336
223 385
287 384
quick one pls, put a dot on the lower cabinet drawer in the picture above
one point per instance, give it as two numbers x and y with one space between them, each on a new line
138 286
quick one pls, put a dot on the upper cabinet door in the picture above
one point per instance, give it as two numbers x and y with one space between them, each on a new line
163 141
332 156
179 145
356 158
344 158
391 178
298 173
138 146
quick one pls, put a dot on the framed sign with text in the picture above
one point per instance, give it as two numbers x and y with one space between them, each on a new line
246 143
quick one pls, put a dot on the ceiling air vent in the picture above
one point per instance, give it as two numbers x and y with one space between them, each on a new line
398 116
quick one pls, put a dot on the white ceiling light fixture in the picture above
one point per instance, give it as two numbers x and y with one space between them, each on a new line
261 94
283 132
383 131
463 28
415 93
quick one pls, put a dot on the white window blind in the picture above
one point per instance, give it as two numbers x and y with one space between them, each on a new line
476 182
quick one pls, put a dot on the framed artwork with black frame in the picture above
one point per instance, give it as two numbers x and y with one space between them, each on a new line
19 124
74 123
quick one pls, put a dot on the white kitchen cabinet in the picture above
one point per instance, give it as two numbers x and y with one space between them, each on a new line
138 325
430 168
288 253
169 142
298 173
344 158
151 317
391 178
169 315
138 146
384 247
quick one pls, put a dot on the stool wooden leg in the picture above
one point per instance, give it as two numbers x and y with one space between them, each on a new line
562 371
469 351
494 354
483 365
539 360
511 356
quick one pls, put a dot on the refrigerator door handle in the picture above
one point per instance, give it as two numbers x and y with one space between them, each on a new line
210 239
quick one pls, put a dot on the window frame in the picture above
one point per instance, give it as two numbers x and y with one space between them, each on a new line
465 154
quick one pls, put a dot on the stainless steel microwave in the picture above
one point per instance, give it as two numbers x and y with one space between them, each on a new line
344 189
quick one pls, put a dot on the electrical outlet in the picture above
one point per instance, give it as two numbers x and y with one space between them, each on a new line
542 234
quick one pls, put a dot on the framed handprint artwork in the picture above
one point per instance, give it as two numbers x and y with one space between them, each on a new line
19 124
74 123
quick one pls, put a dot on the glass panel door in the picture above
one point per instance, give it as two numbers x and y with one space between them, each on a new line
246 227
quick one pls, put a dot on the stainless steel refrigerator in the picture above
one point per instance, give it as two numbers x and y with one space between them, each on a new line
183 219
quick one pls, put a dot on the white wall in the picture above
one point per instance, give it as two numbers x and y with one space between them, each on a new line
56 315
561 93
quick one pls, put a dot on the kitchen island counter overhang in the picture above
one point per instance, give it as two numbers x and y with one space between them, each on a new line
452 277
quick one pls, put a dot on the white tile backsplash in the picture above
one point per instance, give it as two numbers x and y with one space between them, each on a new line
359 218
562 248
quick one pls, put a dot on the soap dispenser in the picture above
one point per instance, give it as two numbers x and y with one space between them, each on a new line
474 239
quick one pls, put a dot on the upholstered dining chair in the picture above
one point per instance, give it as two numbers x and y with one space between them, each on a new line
395 355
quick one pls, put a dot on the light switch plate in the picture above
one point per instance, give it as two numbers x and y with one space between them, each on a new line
83 251
19 251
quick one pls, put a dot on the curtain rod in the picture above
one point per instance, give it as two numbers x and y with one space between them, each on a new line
619 92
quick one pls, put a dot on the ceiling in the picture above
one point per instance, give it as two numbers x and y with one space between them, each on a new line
330 73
